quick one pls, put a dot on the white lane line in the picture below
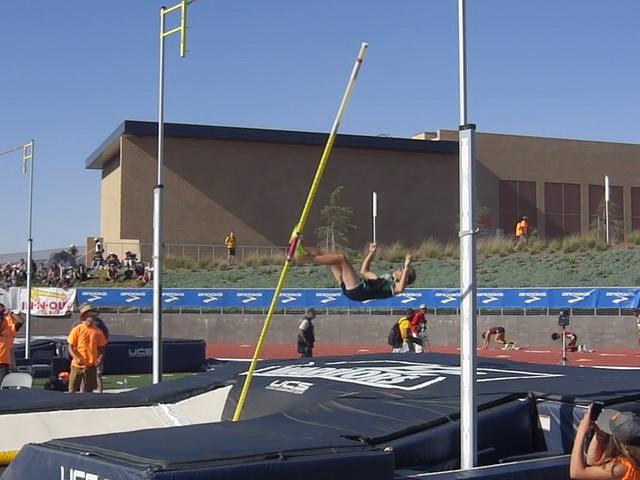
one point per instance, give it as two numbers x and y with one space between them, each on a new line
537 351
612 354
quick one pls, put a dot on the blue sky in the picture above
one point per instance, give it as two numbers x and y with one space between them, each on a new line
72 71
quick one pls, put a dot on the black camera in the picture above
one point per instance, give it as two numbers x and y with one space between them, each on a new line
563 318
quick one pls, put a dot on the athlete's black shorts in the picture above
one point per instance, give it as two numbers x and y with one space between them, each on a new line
366 290
232 251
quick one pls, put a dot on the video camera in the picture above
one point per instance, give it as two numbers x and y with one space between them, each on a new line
563 318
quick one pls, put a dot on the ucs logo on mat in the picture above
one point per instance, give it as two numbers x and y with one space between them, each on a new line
76 474
394 374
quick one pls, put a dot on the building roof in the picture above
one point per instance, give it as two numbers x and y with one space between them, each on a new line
111 145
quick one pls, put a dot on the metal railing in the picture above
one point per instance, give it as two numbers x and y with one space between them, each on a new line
202 254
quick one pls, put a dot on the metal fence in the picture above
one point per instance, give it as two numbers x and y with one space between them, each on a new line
203 254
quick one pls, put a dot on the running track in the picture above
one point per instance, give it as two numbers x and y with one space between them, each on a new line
544 355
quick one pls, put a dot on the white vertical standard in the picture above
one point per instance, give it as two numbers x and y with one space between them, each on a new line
374 213
158 199
606 205
27 158
157 222
468 434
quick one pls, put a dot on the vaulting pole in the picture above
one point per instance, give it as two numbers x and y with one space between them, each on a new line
297 233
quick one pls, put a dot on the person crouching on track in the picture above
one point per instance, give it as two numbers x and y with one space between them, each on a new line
614 450
572 341
499 334
366 285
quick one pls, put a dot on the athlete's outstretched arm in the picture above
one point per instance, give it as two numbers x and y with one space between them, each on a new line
365 269
400 286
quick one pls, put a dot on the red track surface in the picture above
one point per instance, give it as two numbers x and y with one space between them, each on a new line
545 355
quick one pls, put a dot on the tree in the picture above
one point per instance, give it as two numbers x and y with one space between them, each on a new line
335 223
616 222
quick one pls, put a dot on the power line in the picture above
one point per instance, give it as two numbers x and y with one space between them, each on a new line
12 150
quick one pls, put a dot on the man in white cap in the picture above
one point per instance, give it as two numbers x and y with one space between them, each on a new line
87 345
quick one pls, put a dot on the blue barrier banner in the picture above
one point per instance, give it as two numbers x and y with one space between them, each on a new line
449 298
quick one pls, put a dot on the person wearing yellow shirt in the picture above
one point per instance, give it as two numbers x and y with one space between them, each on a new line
404 325
230 242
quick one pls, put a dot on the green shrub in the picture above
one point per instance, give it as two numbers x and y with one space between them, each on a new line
634 237
176 263
393 253
495 246
430 248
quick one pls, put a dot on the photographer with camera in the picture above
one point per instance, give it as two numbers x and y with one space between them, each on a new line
10 325
614 449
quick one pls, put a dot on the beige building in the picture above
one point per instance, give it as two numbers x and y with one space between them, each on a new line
254 181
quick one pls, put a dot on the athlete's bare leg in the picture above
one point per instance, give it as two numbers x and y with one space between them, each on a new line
340 267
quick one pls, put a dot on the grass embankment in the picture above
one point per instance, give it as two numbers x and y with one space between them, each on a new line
572 261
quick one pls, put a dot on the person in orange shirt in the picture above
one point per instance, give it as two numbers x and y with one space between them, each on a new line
10 325
86 346
522 232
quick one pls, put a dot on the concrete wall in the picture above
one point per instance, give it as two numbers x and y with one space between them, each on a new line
594 331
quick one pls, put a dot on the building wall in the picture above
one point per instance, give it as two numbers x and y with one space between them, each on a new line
111 201
258 190
551 160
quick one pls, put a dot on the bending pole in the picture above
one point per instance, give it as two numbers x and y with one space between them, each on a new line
299 228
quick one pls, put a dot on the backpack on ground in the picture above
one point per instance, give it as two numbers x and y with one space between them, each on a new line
394 338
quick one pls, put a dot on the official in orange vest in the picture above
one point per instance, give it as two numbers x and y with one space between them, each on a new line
522 232
10 324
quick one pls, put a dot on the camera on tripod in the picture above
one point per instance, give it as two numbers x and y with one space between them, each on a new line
563 318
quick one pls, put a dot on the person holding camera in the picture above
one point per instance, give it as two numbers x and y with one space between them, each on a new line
614 449
87 344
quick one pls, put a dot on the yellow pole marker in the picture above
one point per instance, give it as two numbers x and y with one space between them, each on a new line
297 233
7 457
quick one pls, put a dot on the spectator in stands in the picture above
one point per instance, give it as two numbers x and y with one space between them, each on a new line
10 324
112 273
499 333
53 275
522 232
112 259
80 273
614 450
419 329
97 261
97 246
87 345
306 334
230 241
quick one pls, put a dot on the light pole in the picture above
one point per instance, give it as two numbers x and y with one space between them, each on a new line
468 287
158 189
28 151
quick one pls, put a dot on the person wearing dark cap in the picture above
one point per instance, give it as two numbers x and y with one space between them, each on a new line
306 334
87 345
614 450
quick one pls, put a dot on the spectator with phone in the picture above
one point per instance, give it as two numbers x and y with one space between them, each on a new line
614 450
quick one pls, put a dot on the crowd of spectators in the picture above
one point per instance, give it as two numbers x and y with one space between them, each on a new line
64 272
14 274
127 268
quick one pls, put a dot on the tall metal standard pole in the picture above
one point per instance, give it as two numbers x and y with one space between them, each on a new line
468 287
158 189
28 156
606 205
157 222
374 213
